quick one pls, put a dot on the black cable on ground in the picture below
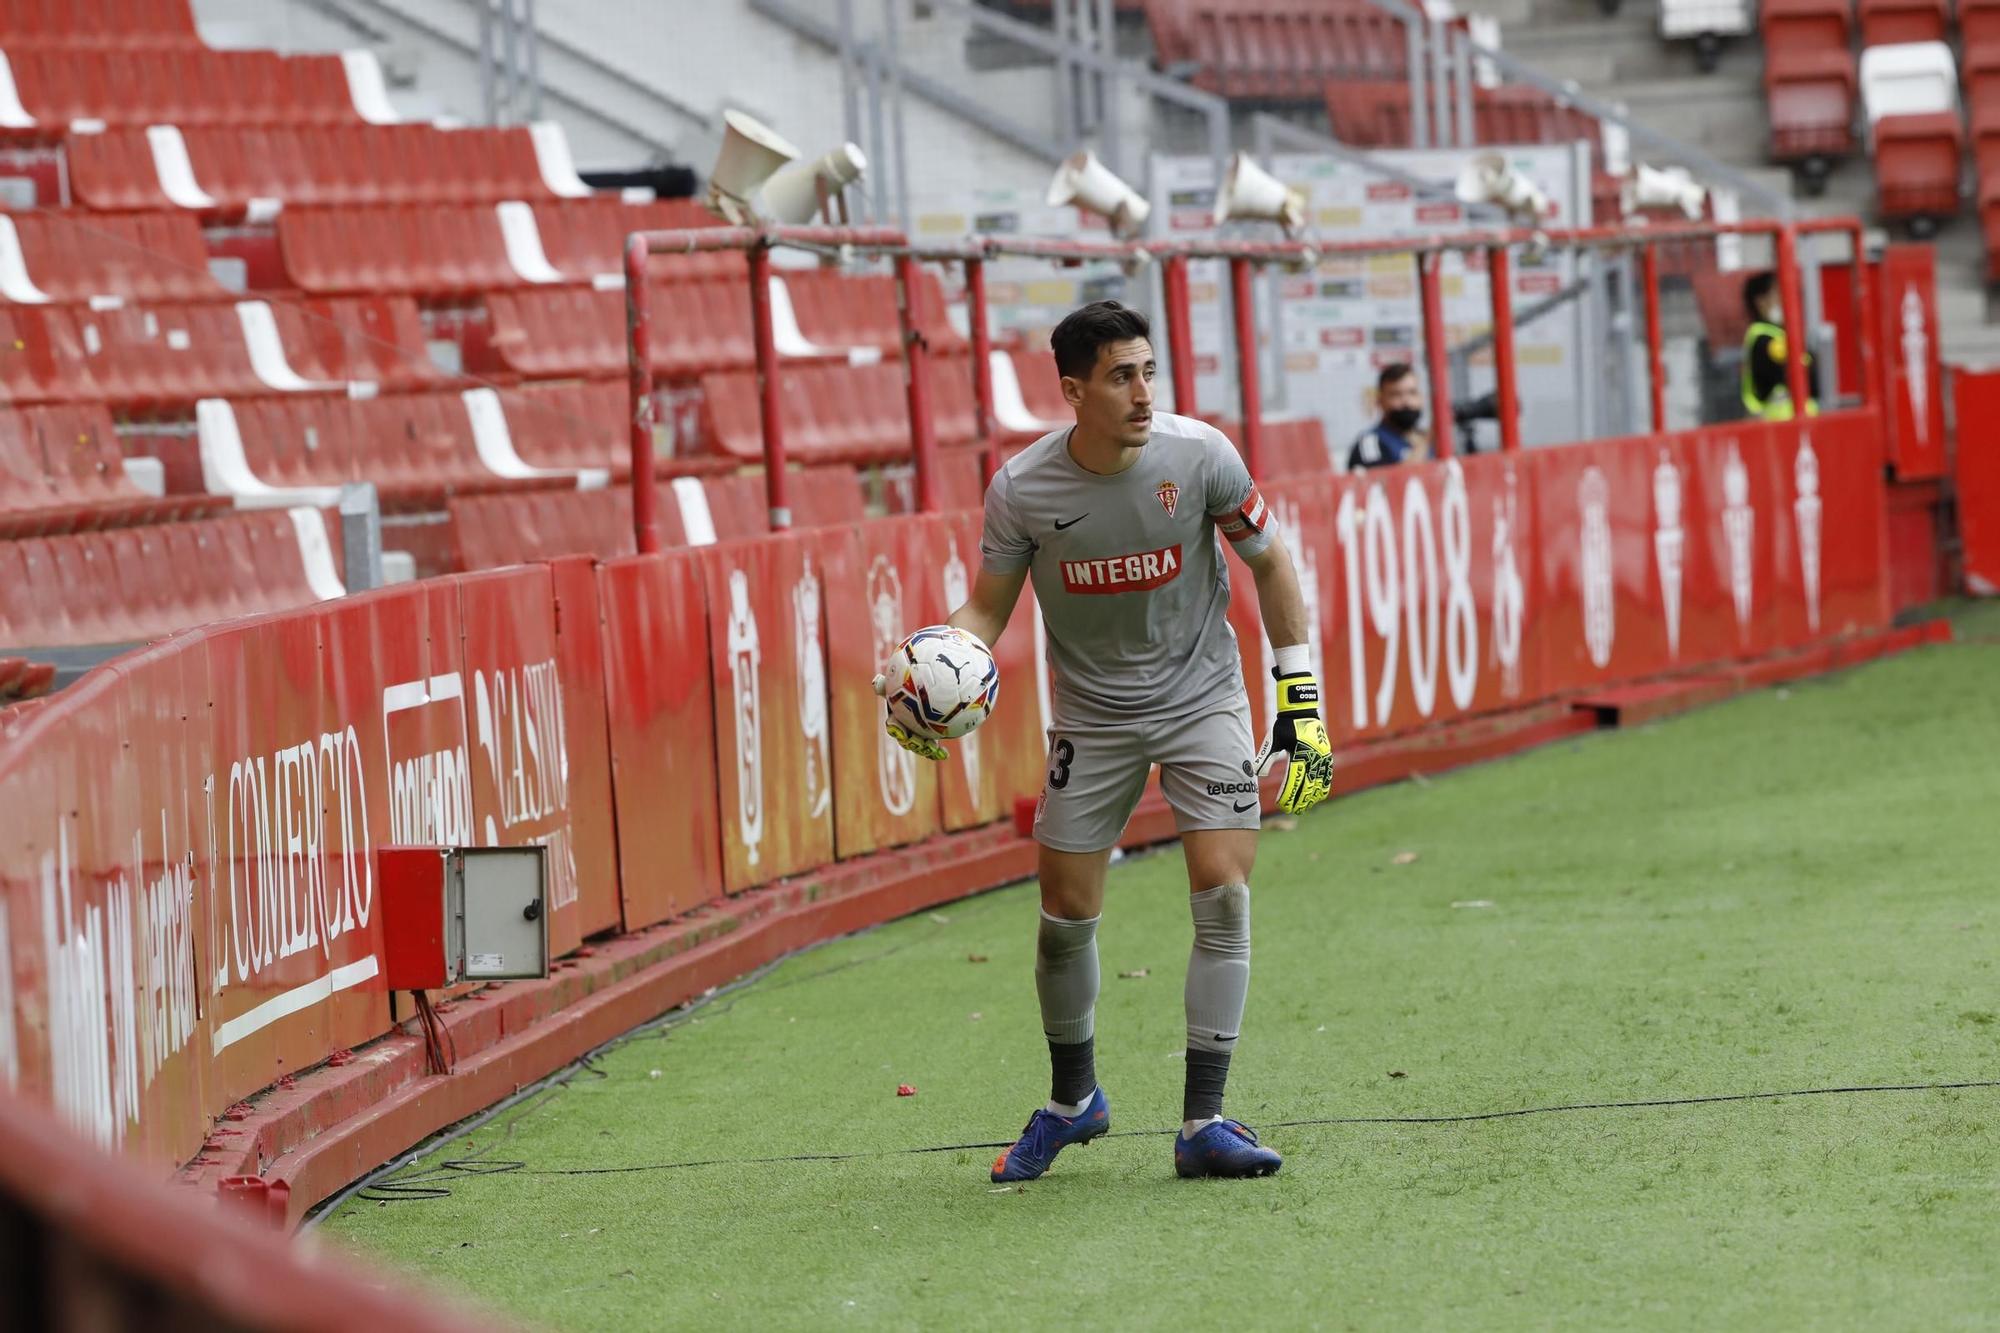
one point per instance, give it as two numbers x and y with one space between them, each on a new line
426 1184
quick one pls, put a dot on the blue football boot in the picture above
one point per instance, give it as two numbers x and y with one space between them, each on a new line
1047 1134
1224 1148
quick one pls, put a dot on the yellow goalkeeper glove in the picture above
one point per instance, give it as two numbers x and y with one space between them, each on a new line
903 736
1299 734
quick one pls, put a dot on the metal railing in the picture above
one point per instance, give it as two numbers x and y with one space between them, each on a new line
1243 257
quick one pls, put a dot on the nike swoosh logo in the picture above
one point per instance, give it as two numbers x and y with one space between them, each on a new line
1060 525
1239 809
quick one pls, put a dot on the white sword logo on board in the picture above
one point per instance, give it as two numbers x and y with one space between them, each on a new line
1669 544
1600 625
1806 511
1916 363
1739 526
746 661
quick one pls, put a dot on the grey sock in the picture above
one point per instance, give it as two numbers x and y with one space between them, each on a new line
1066 978
1218 976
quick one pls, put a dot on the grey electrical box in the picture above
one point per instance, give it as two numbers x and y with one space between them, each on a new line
501 925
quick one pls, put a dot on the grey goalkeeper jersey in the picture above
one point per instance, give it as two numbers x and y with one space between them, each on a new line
1130 578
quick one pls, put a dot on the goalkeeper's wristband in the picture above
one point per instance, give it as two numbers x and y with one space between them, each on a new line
1298 693
1292 659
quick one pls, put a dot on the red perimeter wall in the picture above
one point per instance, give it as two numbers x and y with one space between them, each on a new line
187 909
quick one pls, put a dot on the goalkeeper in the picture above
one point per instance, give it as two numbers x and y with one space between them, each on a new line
1115 519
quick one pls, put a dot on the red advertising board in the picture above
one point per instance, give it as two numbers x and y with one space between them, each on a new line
587 742
773 750
518 733
1978 474
661 713
1004 759
1906 308
1424 591
878 585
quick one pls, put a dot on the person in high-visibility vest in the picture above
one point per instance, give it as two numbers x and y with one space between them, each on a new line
1765 349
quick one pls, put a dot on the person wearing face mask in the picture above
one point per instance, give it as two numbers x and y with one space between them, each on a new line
1395 437
1765 350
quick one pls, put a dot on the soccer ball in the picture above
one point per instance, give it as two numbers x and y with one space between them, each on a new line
941 682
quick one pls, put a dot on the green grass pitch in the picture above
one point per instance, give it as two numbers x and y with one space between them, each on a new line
1792 890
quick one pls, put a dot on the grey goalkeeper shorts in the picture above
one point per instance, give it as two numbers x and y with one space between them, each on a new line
1097 774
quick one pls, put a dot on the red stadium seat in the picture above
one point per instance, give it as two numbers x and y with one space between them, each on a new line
1810 98
67 257
586 237
1284 50
140 583
186 87
225 171
97 24
71 456
418 449
697 327
1916 165
832 412
839 310
1886 22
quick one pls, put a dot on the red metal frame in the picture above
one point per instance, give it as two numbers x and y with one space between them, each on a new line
1180 337
1437 357
1249 392
1500 284
1656 377
982 369
1243 256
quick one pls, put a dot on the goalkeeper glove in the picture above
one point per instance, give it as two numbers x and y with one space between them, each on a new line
1299 734
903 736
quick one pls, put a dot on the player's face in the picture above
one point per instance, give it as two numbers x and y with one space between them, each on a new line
1116 402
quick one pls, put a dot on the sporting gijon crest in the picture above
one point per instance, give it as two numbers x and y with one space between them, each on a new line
1739 531
957 590
1806 514
815 762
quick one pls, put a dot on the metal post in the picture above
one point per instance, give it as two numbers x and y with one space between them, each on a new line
917 385
509 88
982 369
531 37
1656 370
896 112
1067 115
486 102
1788 293
1108 138
1461 68
1874 392
1437 358
1500 284
360 536
769 400
1440 84
1246 366
1180 332
639 337
877 136
850 96
1420 115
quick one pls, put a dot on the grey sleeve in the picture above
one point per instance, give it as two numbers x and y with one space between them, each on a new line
1004 545
1231 498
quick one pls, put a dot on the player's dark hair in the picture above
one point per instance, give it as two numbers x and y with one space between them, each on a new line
1755 288
1083 331
1393 373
